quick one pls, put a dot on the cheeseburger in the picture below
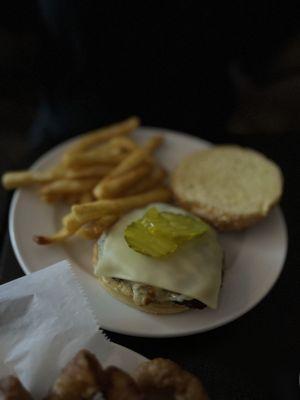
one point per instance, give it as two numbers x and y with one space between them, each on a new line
160 259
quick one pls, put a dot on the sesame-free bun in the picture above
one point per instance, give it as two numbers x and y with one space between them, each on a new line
229 186
121 292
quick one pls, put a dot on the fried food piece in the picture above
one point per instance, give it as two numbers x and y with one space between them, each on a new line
137 157
153 180
70 226
57 237
164 376
114 187
90 171
94 229
153 143
104 134
68 186
105 155
125 143
12 389
82 378
51 198
96 209
15 179
120 386
94 213
133 160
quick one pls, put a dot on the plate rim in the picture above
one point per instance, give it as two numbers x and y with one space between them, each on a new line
226 320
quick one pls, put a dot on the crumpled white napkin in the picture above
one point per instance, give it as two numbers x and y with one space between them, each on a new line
45 320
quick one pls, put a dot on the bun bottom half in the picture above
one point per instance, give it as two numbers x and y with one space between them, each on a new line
112 287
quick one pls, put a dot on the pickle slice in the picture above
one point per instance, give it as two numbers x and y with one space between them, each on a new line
159 234
141 240
179 227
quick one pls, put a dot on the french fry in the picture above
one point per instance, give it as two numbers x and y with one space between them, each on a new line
86 197
94 210
104 134
72 198
125 143
91 171
104 164
153 143
68 198
136 157
113 187
15 179
70 226
153 180
68 186
59 236
94 229
107 155
51 197
71 223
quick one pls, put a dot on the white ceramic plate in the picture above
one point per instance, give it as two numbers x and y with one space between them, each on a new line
254 258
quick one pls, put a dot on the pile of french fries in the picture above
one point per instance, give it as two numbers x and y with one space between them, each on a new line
102 175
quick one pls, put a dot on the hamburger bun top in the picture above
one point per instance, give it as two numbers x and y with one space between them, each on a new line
229 186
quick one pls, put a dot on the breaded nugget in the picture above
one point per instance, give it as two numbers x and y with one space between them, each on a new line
120 386
81 379
160 376
12 389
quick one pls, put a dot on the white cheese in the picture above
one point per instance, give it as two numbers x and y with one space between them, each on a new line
194 270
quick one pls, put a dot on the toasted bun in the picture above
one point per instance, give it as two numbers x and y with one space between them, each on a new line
121 293
229 186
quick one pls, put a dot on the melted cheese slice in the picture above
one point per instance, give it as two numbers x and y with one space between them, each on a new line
194 270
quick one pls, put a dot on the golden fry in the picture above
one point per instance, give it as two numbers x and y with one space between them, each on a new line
103 164
153 143
86 197
71 223
153 180
134 159
51 197
94 210
13 180
91 171
70 226
123 142
104 134
94 229
68 186
108 155
59 236
113 187
72 198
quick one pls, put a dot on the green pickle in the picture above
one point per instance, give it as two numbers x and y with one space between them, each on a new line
159 234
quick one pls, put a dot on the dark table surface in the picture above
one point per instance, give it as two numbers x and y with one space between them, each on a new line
254 357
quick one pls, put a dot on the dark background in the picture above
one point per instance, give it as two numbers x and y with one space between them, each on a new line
226 73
